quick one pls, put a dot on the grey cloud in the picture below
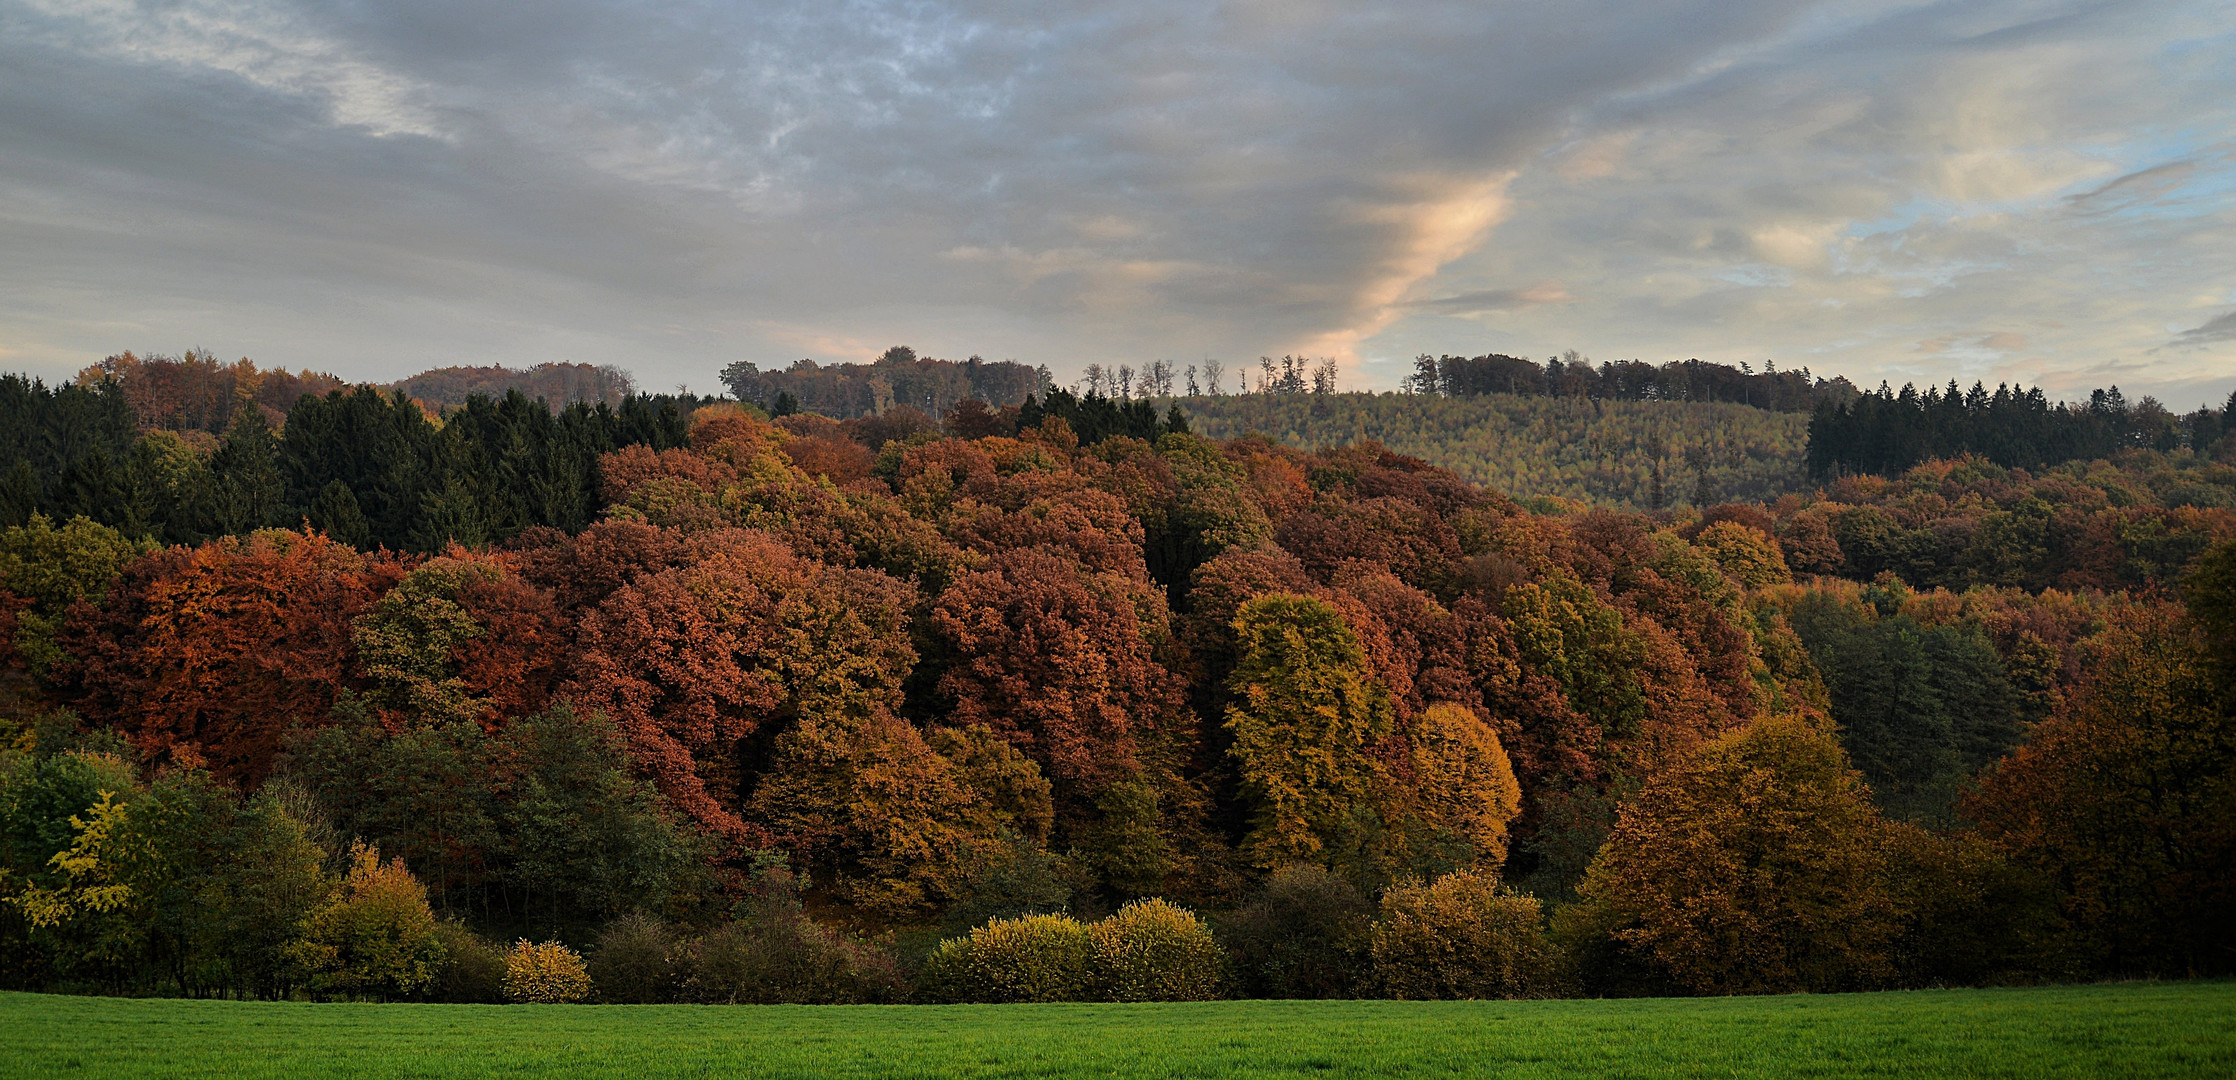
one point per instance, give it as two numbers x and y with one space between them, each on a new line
2136 188
1486 301
1157 177
2216 329
1872 180
376 186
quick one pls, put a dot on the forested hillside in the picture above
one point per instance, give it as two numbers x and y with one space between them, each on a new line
1594 451
369 469
1890 431
441 389
874 709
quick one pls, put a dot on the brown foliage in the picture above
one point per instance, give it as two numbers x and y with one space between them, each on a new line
1758 866
211 653
2127 799
689 660
1057 658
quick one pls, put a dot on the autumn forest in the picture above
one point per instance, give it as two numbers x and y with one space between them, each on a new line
931 681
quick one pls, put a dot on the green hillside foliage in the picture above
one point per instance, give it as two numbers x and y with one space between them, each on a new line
1593 451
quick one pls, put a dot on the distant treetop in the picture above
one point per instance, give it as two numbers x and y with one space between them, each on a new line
1572 375
898 377
557 384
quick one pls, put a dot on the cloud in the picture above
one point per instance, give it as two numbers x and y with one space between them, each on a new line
1863 191
2139 188
376 187
2217 329
1489 301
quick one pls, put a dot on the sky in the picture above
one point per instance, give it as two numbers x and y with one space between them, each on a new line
2038 192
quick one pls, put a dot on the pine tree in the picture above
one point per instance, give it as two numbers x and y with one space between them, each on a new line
246 491
335 513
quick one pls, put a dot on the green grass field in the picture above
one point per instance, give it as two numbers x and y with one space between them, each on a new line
2134 1030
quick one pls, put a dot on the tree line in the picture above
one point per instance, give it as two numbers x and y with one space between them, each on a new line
196 394
366 467
560 384
1889 431
1572 375
898 377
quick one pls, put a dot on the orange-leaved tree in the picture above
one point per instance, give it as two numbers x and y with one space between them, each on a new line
1758 866
213 652
1058 659
691 659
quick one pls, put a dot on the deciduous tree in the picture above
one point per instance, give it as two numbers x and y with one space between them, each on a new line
1758 867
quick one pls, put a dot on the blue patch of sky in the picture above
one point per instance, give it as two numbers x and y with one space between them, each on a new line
2205 188
1757 276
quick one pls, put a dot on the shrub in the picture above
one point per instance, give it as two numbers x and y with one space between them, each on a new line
1303 935
1153 950
788 958
776 954
1601 964
636 962
377 937
1032 958
472 971
1015 877
1970 917
547 974
1462 937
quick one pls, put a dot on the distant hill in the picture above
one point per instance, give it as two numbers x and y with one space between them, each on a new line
448 388
1593 451
897 378
196 392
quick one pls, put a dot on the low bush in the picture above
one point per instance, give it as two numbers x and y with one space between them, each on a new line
1030 958
1153 950
546 974
1304 935
773 953
637 961
790 959
472 971
1462 937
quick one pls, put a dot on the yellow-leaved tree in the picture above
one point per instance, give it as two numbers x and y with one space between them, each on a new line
1306 710
376 937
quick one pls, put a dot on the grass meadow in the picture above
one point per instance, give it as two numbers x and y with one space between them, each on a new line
2124 1030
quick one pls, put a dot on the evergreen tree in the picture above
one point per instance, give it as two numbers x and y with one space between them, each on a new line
335 512
246 491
